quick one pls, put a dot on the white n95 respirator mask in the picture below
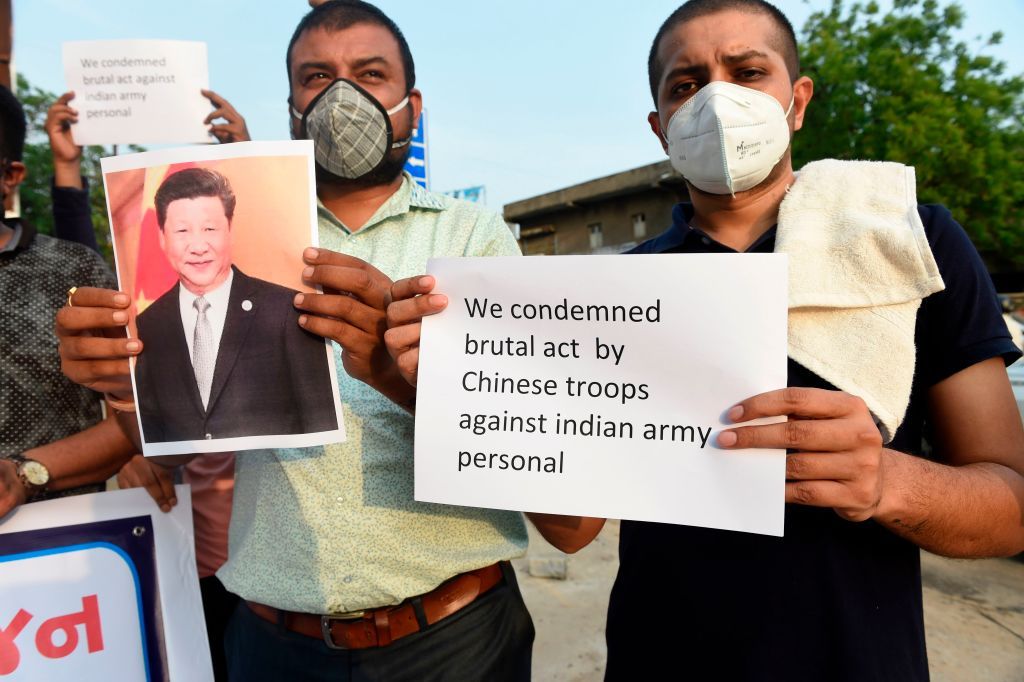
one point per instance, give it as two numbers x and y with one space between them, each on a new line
351 130
727 138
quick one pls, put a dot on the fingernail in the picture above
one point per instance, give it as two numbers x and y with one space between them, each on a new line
298 299
727 439
120 316
438 300
132 346
307 273
302 320
735 413
174 501
425 282
121 299
165 508
310 254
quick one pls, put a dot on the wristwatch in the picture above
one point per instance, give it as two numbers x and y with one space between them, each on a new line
34 475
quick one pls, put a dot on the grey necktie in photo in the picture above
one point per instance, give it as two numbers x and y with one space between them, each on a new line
204 355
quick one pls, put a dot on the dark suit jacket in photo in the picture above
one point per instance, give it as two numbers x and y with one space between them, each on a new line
271 376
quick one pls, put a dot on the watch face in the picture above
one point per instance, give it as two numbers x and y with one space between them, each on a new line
36 473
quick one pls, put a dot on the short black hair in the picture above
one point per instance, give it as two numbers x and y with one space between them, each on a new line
694 9
12 126
192 183
337 15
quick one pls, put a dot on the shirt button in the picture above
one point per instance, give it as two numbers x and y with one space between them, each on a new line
705 241
209 436
347 579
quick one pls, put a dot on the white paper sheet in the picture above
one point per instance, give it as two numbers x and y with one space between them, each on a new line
698 334
99 571
138 91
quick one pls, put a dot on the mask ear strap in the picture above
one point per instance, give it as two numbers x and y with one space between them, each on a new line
292 110
398 107
391 112
792 101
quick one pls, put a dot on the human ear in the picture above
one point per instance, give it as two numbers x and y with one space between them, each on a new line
655 122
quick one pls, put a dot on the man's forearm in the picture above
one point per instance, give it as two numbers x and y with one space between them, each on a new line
568 533
130 427
90 456
970 511
68 175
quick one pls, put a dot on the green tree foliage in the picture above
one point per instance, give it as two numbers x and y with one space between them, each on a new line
901 87
35 191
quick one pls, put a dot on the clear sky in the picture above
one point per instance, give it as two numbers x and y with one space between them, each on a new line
524 97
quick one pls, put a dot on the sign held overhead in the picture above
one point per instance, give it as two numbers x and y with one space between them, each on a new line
138 91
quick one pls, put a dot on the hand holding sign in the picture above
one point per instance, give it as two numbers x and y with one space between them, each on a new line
410 304
66 154
351 312
233 129
838 458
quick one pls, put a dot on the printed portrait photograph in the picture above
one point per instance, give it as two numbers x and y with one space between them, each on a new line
208 241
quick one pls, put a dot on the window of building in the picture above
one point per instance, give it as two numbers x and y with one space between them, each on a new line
639 226
596 235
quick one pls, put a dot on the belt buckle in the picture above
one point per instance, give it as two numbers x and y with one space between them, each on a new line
325 627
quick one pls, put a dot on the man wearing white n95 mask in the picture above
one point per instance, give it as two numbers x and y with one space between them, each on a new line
893 326
728 138
894 332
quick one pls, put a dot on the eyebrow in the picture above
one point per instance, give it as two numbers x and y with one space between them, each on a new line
744 56
691 70
368 61
324 66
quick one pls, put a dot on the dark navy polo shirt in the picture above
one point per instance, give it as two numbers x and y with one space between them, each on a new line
832 600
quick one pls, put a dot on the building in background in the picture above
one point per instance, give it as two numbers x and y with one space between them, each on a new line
606 215
476 195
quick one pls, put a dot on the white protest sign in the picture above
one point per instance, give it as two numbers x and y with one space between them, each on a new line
138 91
94 610
101 587
596 385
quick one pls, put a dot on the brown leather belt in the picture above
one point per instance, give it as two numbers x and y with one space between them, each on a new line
380 627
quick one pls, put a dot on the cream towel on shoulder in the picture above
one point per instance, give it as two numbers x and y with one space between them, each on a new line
859 265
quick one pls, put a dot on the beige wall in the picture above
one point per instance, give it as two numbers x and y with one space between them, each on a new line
572 233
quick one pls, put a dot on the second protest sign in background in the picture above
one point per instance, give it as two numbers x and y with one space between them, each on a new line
595 385
138 91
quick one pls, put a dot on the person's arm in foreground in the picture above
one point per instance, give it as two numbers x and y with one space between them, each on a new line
95 353
970 506
89 456
158 480
72 215
351 311
94 350
411 301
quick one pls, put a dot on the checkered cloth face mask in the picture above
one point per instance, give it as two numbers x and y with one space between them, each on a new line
350 129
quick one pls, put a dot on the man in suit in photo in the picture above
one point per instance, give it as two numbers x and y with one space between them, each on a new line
225 356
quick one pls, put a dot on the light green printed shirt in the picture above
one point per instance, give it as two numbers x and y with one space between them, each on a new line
335 529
